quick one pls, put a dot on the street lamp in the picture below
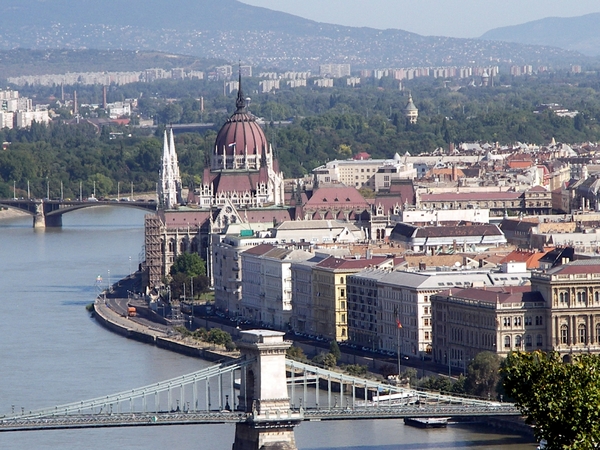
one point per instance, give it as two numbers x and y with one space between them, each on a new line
130 265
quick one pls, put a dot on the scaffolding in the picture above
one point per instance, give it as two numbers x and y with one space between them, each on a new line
154 255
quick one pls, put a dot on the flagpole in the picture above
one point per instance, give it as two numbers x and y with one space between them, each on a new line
399 353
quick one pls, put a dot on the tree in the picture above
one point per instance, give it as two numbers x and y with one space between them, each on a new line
561 400
190 264
218 337
296 353
356 370
483 374
334 349
325 359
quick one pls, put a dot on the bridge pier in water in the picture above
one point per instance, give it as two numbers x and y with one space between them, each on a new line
263 392
39 218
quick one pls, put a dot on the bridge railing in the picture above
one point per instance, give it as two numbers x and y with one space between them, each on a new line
347 391
152 397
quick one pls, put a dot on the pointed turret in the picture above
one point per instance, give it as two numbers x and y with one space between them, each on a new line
170 182
240 102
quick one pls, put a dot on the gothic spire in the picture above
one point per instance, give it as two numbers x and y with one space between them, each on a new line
240 103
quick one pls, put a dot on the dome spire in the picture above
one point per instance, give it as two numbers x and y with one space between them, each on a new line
240 102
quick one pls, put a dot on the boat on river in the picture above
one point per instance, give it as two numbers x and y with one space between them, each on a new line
427 422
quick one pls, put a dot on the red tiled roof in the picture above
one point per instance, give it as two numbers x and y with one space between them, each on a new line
538 189
267 215
259 249
577 267
235 182
497 295
531 258
336 196
180 219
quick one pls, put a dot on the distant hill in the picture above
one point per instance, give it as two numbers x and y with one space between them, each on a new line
18 62
581 34
230 30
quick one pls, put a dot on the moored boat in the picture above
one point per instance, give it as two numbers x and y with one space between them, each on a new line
427 422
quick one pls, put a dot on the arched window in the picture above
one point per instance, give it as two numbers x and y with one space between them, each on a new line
518 340
564 334
528 340
582 333
506 341
561 297
597 296
539 340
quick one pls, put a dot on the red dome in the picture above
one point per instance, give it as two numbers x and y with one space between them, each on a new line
241 135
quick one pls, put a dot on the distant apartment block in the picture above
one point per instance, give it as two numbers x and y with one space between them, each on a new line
6 119
19 111
119 109
334 70
409 73
155 74
8 94
268 86
231 86
269 75
353 81
518 71
296 75
246 71
197 74
26 118
178 73
85 78
223 72
324 82
296 83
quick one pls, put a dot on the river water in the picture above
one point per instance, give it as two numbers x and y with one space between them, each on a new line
52 352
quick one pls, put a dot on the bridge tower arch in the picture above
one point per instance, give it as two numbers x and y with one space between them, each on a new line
264 393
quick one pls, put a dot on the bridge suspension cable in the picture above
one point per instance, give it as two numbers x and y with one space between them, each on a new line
151 395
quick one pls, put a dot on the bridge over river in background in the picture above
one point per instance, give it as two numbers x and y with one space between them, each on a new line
262 392
48 213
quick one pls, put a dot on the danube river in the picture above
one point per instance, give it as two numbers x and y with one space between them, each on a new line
52 352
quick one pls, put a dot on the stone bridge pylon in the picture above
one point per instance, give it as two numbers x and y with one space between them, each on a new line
263 392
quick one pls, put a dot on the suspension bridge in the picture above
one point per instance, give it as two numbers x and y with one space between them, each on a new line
262 392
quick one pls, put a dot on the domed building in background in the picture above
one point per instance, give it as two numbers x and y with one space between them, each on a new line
241 184
411 112
242 169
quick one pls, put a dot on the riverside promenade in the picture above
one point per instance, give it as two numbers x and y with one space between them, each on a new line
110 310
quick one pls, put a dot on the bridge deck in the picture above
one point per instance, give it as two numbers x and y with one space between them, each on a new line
203 397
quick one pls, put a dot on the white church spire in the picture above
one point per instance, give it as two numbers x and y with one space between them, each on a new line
170 180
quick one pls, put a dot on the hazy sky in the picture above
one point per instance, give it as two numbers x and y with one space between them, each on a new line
455 18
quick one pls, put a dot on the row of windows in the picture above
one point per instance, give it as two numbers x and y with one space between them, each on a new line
518 320
539 341
580 297
582 334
